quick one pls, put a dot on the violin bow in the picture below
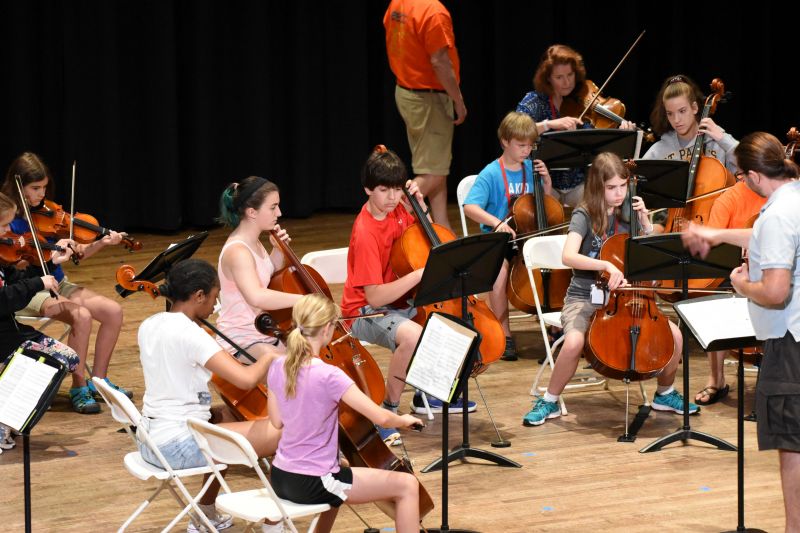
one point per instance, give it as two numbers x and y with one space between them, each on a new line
608 79
72 205
32 226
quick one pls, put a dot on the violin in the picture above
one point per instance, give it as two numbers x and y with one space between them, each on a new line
53 221
531 213
15 248
600 111
244 404
629 339
359 441
410 252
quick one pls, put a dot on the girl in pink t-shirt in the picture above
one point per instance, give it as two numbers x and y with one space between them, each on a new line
250 207
304 402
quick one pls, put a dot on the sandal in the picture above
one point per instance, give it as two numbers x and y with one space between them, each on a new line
714 394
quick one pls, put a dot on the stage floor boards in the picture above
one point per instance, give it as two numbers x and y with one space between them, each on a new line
575 476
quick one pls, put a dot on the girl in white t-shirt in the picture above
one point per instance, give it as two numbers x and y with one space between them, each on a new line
178 357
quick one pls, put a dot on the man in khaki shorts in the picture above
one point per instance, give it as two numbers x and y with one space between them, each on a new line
422 55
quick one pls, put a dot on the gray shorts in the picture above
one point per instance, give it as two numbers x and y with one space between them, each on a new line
577 314
381 330
778 395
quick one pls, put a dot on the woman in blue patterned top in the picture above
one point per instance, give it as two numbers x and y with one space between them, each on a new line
560 71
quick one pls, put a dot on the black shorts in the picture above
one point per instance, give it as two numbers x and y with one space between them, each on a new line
778 395
305 489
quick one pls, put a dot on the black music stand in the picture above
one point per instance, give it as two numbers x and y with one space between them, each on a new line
457 269
156 270
577 148
663 257
745 337
42 405
665 182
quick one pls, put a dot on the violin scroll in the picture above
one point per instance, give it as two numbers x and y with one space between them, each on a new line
125 278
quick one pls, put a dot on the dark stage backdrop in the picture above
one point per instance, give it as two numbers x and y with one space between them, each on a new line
163 103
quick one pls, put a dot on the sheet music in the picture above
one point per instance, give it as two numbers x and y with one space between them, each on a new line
717 319
439 357
22 385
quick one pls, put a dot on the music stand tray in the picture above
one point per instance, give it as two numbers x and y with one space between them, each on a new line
157 268
577 148
663 257
665 182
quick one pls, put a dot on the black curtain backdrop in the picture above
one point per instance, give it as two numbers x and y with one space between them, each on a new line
162 103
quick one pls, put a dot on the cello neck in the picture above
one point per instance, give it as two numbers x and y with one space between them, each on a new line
310 284
426 224
538 193
697 150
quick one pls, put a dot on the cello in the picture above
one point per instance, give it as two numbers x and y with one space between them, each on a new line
410 252
629 338
531 213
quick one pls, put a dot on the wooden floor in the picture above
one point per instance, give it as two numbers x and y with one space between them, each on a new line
575 476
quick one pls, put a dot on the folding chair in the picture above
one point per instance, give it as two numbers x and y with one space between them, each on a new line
462 191
126 413
254 506
545 252
42 322
331 264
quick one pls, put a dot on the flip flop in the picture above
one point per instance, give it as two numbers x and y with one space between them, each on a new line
714 394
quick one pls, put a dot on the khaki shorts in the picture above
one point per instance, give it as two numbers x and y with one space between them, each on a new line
429 125
34 307
577 315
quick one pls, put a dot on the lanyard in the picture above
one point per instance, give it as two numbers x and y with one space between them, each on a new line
505 180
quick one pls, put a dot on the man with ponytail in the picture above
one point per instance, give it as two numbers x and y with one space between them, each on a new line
771 283
304 404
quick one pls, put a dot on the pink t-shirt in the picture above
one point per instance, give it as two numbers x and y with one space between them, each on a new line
310 440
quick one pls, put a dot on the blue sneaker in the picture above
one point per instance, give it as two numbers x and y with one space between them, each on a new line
672 402
82 401
540 412
390 436
418 406
96 395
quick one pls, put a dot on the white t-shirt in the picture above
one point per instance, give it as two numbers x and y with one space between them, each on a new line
173 350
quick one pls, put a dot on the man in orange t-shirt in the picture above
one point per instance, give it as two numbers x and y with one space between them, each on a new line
422 55
733 209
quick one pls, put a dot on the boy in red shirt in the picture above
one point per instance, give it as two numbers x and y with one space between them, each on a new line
371 284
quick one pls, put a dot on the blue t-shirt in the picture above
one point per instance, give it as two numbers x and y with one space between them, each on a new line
19 226
488 191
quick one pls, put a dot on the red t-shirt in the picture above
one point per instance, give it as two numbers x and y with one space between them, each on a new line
415 29
368 257
735 207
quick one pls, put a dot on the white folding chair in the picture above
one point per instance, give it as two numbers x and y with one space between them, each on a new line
462 191
125 412
254 506
42 322
331 264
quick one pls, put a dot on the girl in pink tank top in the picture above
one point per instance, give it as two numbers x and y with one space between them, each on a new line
250 207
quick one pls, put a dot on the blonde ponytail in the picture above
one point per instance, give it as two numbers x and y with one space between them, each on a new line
310 314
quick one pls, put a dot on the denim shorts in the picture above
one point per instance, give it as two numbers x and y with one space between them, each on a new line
381 330
180 452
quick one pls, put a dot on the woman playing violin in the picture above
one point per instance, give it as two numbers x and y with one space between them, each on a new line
597 218
560 74
75 305
250 207
304 403
178 358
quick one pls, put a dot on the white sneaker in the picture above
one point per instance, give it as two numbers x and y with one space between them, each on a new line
6 438
218 520
273 528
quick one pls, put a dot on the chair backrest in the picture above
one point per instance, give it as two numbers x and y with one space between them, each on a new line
462 191
544 252
331 264
122 408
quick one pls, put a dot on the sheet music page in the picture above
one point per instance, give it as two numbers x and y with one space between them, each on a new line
722 318
439 356
22 385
